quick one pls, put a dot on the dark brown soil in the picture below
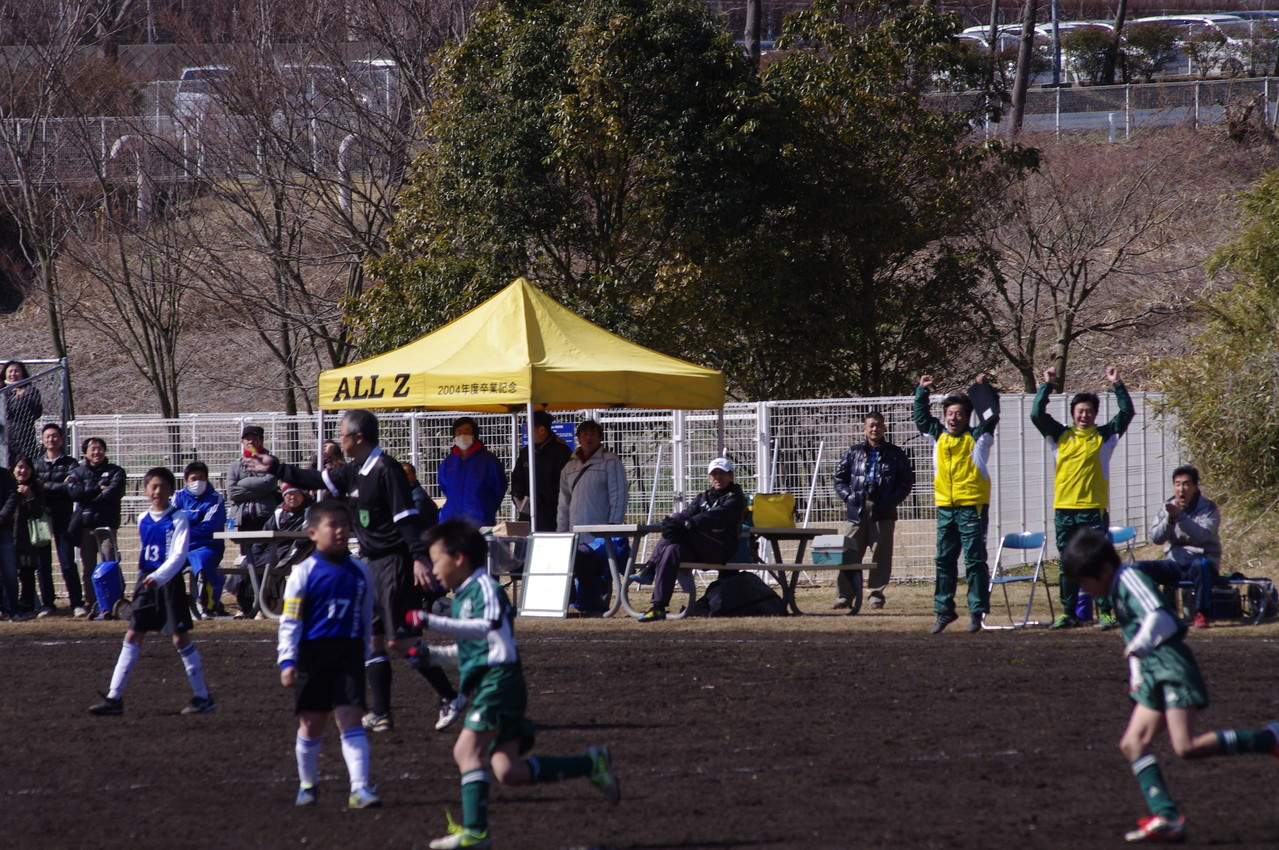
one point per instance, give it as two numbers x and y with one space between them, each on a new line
812 732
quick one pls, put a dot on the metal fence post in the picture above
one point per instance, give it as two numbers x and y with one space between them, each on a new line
763 433
1057 113
677 459
1127 112
1194 123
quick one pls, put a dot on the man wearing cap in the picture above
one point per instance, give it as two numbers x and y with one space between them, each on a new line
253 495
552 454
706 532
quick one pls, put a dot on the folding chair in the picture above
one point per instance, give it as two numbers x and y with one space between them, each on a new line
1123 534
1024 541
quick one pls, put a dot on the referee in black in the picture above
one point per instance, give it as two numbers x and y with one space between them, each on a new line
389 530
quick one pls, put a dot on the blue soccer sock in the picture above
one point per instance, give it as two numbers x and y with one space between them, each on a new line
1153 790
307 751
355 750
475 800
556 768
123 668
195 670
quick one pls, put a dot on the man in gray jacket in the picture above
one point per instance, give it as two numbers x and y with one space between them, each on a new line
253 495
593 491
1187 526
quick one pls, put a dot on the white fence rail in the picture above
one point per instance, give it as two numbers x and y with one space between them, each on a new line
779 446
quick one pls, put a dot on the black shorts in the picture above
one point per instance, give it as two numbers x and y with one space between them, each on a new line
330 674
394 594
165 609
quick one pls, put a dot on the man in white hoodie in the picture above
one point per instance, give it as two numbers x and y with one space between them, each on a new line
593 491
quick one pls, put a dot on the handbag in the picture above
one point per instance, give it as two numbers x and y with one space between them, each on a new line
40 531
773 510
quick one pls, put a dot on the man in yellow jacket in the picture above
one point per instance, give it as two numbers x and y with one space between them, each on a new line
961 483
1081 484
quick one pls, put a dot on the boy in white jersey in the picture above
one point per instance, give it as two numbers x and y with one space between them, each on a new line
326 633
1166 687
160 601
493 681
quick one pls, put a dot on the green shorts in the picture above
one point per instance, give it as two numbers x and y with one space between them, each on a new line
1170 678
498 702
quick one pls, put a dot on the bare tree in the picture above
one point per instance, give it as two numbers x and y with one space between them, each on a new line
1100 240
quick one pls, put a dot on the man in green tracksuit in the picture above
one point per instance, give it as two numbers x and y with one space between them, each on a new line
1081 486
961 485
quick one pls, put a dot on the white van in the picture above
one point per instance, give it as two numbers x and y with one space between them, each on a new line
198 92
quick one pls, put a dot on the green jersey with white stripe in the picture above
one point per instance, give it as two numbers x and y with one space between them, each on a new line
1170 675
482 625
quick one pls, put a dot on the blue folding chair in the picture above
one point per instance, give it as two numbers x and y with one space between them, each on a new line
1123 534
1024 542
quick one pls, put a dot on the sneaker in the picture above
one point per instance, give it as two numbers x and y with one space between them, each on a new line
80 612
364 798
46 611
1106 622
1273 728
602 776
1064 621
1158 828
652 615
307 795
450 711
644 575
1200 621
877 601
943 620
378 722
460 836
107 706
974 622
841 604
22 617
200 705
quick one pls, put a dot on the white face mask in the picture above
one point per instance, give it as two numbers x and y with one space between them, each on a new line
463 441
197 487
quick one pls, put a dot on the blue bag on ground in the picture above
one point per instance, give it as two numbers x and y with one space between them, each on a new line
108 584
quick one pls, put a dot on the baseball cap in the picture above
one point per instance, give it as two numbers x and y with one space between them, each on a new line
720 463
252 431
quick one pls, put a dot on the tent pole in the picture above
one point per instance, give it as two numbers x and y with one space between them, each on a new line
532 469
719 421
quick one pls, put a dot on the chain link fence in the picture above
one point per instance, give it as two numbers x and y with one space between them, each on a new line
780 446
34 392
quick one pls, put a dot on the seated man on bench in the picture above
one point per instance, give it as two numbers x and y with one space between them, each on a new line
1187 526
706 532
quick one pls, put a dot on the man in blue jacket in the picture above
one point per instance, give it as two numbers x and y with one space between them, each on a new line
471 478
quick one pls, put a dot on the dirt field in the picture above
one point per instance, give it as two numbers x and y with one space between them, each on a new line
820 731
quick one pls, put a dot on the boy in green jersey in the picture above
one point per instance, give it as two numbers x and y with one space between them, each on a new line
1164 680
493 681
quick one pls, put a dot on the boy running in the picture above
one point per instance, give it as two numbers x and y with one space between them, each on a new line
160 603
326 633
493 680
1164 680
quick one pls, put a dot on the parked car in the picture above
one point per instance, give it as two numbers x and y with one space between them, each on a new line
200 92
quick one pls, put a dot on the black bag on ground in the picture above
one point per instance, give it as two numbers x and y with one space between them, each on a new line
738 594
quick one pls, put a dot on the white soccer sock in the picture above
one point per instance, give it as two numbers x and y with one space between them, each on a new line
355 749
123 667
195 670
308 752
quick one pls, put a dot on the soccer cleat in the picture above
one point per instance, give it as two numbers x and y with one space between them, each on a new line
378 722
1158 828
107 706
841 604
1064 621
1105 621
460 836
200 705
942 621
450 711
974 622
644 575
307 795
652 615
1200 621
364 798
602 776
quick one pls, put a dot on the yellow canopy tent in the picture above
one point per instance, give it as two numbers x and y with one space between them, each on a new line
521 349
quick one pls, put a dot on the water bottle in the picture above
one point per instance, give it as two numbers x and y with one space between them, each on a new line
230 523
